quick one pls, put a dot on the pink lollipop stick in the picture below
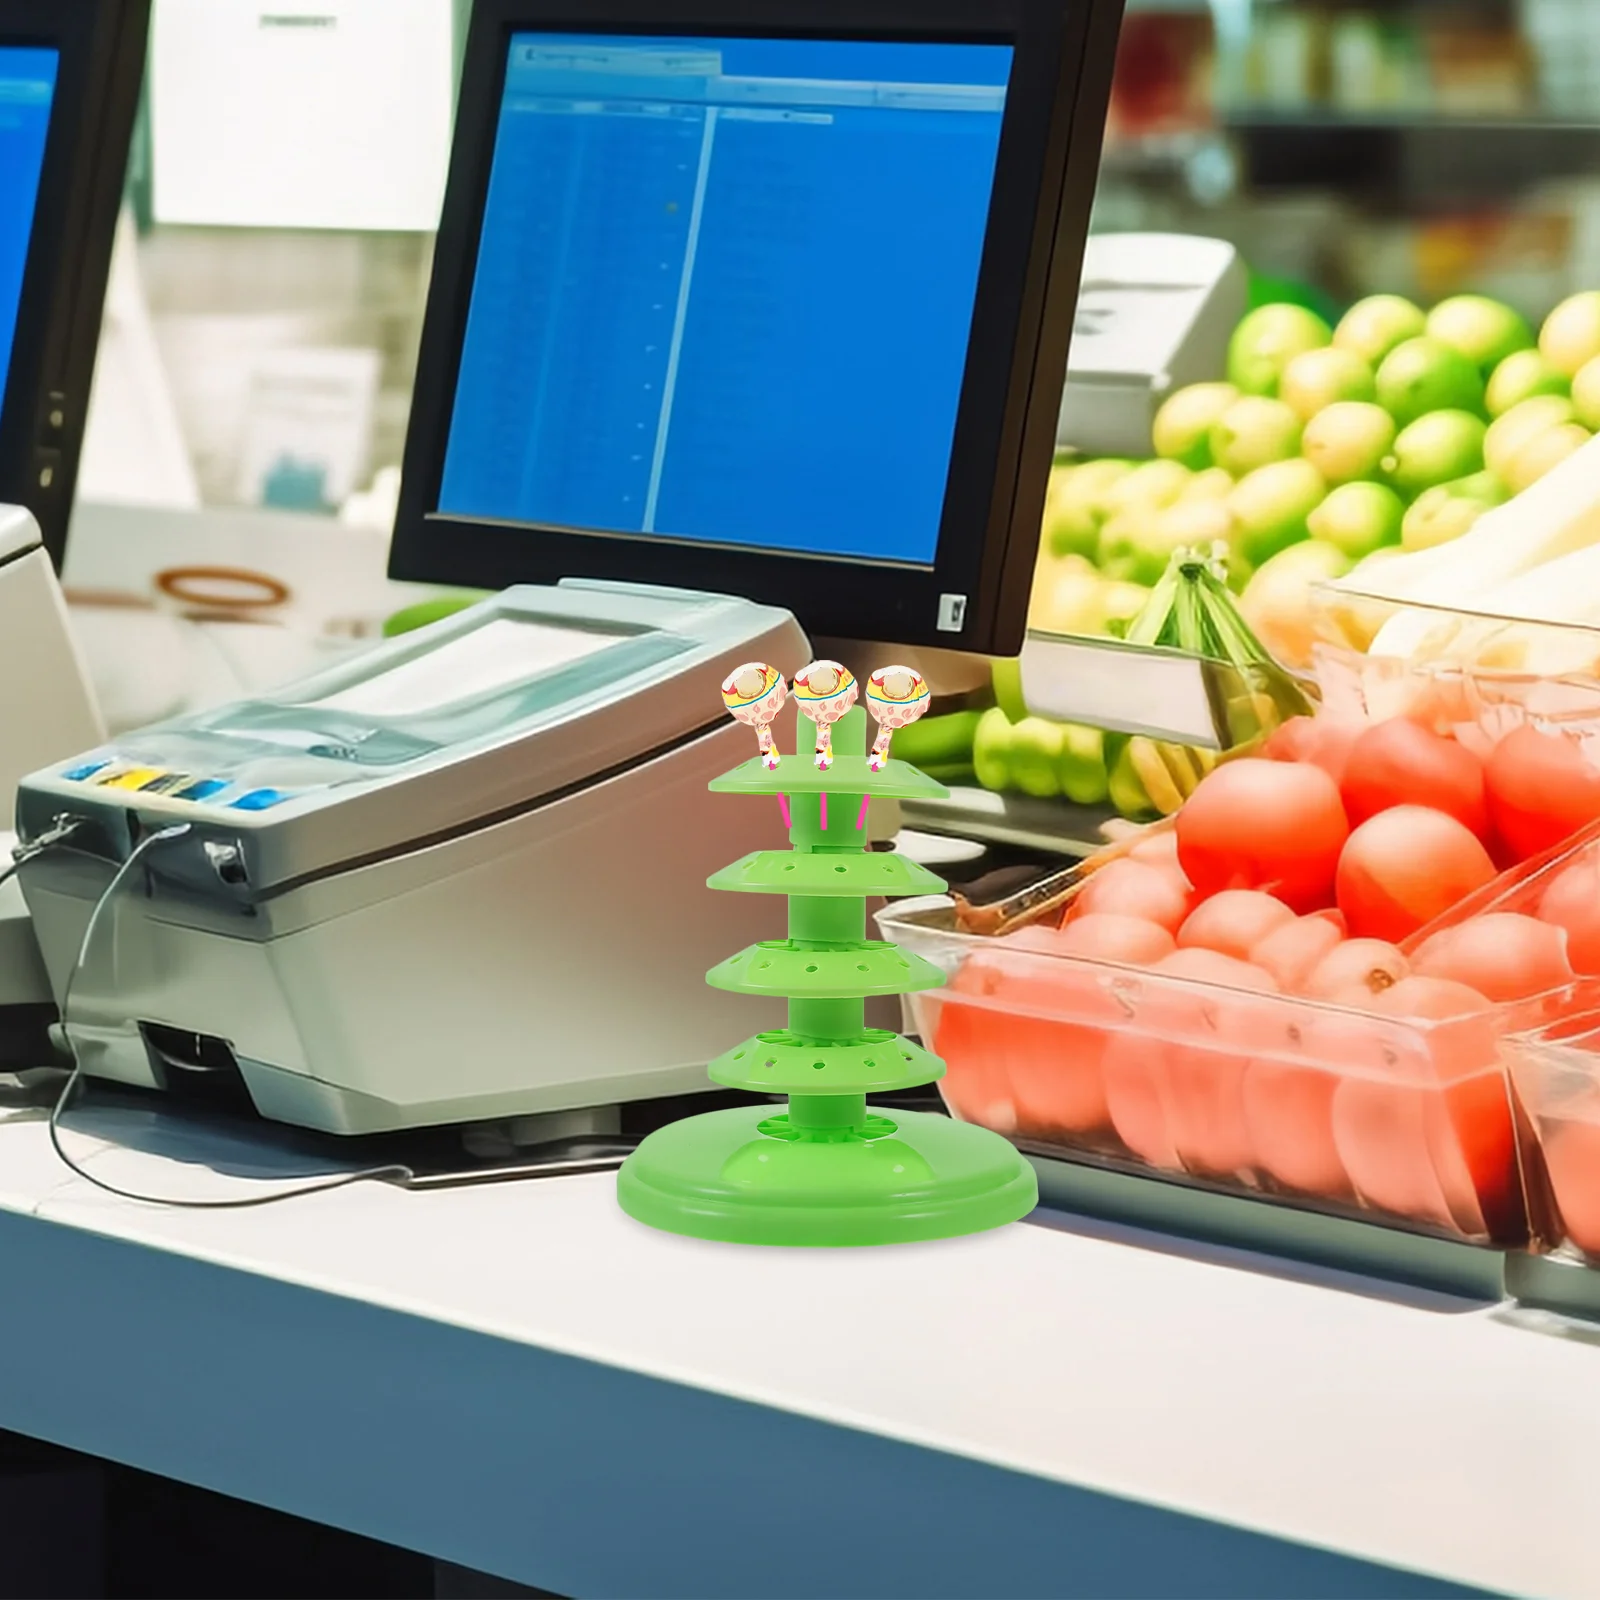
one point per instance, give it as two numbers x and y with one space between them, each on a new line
861 820
822 809
783 807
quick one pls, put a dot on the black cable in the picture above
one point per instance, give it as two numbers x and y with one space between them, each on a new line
338 1181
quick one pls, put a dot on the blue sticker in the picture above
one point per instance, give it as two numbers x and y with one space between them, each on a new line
84 773
260 799
203 790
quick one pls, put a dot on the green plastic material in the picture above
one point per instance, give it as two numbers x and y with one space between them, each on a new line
864 875
849 775
827 1170
426 612
788 967
785 1062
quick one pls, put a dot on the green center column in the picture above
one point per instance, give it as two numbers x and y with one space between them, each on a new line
826 1170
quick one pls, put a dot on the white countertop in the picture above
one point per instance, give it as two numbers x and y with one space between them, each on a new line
1441 1441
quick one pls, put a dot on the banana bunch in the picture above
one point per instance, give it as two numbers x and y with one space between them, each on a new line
1191 609
1149 778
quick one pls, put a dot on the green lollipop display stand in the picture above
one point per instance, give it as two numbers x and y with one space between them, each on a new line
826 1170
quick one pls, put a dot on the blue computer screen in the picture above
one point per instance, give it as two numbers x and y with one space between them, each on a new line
724 289
27 87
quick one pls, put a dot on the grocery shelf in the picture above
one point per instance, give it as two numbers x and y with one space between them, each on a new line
1412 152
1055 827
1404 148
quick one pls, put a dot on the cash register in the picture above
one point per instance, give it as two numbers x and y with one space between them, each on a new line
747 330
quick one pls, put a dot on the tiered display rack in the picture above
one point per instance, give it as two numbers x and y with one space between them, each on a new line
827 1170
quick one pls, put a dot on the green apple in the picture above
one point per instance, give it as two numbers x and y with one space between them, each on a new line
1448 510
1252 432
1215 483
1437 448
1149 486
1358 518
1510 433
1035 757
1072 514
1423 375
1317 379
1137 546
1371 328
1349 441
1586 394
1068 600
1084 780
1271 506
1483 330
1182 427
1543 453
1570 338
1521 376
1277 602
1267 340
991 750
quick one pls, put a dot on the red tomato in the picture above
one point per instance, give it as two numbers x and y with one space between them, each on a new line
1500 954
969 1039
1572 1158
1108 936
1157 848
1234 922
1541 790
1272 825
1291 952
1322 741
1406 866
1352 972
1134 889
1052 1036
1380 1131
1398 763
1573 902
1288 1113
1211 1033
1433 1143
1133 1066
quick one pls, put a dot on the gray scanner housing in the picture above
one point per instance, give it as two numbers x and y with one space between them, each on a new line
475 886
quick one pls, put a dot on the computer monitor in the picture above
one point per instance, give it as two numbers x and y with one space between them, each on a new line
771 297
70 72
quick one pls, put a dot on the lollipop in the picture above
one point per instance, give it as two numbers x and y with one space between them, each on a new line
755 693
895 696
824 691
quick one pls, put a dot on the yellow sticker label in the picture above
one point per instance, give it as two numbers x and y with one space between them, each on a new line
135 779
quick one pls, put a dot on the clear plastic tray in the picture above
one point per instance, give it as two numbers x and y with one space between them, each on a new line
1555 1076
1407 1123
1461 668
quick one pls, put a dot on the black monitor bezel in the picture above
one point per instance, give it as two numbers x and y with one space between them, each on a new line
1010 399
101 47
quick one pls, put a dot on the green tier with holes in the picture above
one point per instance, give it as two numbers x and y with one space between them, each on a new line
826 1169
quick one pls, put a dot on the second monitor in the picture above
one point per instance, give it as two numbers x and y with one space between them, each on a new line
764 303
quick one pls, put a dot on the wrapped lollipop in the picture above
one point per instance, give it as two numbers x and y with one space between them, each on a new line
755 694
824 691
895 696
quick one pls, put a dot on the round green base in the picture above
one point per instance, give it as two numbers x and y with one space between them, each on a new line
744 1177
